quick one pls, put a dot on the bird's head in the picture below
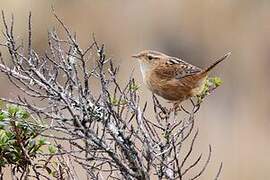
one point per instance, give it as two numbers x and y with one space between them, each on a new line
149 56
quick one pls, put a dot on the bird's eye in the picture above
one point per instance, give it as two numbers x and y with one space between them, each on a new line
150 57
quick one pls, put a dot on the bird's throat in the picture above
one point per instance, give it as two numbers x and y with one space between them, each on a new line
145 68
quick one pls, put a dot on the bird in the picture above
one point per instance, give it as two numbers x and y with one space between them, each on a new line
172 78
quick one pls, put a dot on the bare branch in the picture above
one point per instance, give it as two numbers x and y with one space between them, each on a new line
109 134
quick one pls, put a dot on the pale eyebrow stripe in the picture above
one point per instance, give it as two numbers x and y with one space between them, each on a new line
153 56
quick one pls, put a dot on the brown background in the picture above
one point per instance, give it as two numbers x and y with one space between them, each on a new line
235 118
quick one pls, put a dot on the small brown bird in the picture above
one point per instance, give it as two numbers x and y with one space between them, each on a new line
172 78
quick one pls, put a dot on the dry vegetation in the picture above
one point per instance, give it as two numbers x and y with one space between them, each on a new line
107 135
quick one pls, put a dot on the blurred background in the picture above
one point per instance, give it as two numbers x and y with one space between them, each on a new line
235 118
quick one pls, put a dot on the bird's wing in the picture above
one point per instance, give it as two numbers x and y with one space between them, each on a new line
174 68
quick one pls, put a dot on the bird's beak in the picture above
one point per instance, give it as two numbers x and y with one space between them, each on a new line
135 56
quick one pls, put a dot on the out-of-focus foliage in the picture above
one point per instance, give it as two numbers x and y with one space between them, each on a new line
19 137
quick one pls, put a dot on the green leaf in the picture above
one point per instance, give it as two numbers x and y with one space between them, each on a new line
116 102
23 114
52 149
42 142
217 81
134 87
3 136
10 151
2 116
211 83
2 162
12 110
113 101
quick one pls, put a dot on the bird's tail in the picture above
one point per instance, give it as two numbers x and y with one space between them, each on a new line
206 70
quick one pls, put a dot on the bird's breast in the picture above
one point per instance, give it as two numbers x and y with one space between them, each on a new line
175 89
